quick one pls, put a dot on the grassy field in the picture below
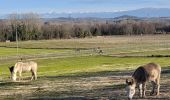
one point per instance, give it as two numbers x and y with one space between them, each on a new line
80 78
77 77
73 65
13 51
115 45
104 42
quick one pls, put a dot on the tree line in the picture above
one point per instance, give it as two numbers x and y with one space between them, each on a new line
31 27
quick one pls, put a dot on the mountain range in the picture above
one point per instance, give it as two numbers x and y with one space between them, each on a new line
143 12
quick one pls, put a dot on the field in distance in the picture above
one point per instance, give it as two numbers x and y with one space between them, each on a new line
113 45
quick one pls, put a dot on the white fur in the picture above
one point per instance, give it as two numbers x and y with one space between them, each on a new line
14 77
140 90
130 91
24 67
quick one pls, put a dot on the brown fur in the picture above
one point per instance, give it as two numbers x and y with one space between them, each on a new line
149 72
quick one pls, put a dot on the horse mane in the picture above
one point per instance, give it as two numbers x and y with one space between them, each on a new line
140 75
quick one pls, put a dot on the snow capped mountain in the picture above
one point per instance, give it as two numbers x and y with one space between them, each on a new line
143 12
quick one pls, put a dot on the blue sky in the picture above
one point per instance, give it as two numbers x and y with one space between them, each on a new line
43 6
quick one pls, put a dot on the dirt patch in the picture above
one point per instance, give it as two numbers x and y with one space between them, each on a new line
93 86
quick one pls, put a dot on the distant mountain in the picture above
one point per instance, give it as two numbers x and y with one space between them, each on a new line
143 12
148 12
3 16
124 17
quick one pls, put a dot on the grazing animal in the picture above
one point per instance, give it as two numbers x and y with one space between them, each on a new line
149 72
23 67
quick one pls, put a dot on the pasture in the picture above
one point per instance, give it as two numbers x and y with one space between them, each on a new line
67 74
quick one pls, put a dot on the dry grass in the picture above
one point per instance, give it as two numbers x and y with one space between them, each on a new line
104 42
97 87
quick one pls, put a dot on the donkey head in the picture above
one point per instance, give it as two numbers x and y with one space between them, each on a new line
130 88
11 69
13 76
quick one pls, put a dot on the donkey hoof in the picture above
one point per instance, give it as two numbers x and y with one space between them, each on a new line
143 96
151 93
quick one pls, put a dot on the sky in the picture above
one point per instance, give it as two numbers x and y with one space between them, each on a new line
70 6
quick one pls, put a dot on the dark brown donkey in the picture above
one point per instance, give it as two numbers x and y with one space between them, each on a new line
149 72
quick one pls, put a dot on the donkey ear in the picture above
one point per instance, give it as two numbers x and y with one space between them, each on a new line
130 81
127 81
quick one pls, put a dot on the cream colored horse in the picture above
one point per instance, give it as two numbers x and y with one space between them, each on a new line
149 72
23 67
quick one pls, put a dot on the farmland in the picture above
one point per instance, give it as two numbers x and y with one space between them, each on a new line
74 70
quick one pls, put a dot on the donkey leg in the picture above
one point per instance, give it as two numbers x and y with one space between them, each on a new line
32 76
153 87
140 90
14 76
20 76
158 86
143 90
35 76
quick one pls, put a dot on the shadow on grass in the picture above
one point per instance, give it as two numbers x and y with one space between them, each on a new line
109 92
10 84
166 70
93 74
63 98
104 93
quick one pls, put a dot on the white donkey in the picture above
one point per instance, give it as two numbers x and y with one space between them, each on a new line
23 67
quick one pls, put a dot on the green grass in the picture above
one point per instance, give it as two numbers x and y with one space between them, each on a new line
129 45
79 65
13 51
116 45
150 53
95 64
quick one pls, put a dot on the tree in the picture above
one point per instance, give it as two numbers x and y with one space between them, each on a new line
28 26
